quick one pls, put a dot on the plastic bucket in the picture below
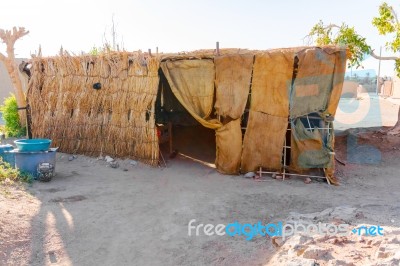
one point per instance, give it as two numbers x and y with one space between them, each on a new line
7 155
29 161
32 144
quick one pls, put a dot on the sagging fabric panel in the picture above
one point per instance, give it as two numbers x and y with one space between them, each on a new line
272 77
192 82
315 81
232 83
229 147
233 77
263 142
338 80
309 148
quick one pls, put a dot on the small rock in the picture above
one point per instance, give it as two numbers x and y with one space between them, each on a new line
317 253
125 170
133 162
100 158
392 220
108 159
71 158
250 175
307 180
277 242
360 215
114 164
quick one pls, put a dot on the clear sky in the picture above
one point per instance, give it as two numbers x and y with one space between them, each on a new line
183 25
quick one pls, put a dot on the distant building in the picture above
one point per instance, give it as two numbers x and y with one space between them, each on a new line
396 87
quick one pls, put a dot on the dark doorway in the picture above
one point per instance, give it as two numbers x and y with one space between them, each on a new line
189 137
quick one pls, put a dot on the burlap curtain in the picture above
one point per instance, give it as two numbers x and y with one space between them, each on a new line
192 82
232 82
272 77
319 81
317 90
269 111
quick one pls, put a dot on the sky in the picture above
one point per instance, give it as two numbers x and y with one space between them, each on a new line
183 25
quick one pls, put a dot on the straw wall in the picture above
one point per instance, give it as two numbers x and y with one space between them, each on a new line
116 120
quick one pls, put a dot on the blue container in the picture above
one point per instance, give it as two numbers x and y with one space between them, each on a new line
29 161
32 144
7 155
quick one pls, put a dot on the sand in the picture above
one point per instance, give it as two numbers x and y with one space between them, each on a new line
92 214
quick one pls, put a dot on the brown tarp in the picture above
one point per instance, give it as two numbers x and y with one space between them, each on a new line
233 77
272 77
263 142
337 84
192 82
308 149
317 89
318 84
269 111
232 82
229 147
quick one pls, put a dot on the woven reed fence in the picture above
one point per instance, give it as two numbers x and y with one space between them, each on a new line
116 120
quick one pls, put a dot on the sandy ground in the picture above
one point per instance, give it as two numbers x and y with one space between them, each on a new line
92 214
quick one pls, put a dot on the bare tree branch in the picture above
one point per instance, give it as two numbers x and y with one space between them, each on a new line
384 57
331 26
10 37
394 15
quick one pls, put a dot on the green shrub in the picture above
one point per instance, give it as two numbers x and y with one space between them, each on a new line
10 116
8 174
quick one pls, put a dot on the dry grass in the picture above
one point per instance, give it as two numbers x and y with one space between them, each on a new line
116 120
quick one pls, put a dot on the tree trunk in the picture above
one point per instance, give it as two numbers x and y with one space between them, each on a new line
9 38
12 70
396 129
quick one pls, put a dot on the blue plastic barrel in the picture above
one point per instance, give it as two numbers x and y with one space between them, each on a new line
6 155
29 161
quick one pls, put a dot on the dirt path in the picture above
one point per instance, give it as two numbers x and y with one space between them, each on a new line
91 214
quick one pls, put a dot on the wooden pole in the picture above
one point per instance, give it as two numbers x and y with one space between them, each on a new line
379 72
217 44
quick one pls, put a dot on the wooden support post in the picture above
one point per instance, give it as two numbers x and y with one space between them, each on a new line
217 48
149 52
170 137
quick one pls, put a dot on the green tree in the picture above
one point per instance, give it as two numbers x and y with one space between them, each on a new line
387 25
11 117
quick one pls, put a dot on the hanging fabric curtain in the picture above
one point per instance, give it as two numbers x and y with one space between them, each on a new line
192 82
318 83
269 111
232 82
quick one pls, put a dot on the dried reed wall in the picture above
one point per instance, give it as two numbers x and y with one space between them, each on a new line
117 119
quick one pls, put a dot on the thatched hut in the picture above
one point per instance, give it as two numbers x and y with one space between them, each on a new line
260 103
